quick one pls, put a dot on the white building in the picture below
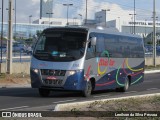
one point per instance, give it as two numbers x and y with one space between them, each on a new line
46 8
58 21
125 23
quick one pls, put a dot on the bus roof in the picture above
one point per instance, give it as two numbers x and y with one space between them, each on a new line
112 31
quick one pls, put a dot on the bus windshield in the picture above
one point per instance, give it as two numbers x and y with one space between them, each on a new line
60 46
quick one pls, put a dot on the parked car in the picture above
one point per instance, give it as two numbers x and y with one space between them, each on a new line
29 50
19 47
4 49
148 54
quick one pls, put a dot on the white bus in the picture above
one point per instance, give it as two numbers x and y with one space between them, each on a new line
86 60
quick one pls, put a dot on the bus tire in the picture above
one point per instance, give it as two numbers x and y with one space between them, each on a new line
88 89
44 92
125 87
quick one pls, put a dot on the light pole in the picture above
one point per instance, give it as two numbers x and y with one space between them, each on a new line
49 13
15 7
81 17
134 16
145 29
119 23
131 30
86 11
67 5
105 15
74 20
30 21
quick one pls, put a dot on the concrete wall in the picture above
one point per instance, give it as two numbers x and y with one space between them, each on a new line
18 67
149 61
25 67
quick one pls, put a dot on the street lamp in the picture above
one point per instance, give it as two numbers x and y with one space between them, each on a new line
67 5
119 23
131 27
15 7
134 15
81 17
74 20
30 19
145 28
105 15
133 24
49 13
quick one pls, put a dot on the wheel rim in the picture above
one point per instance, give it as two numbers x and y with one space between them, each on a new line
126 84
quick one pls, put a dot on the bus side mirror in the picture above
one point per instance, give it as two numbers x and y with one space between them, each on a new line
93 41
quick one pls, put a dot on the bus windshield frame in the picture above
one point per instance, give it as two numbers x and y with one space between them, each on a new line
61 45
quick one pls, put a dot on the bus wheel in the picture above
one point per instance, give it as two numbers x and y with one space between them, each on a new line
44 92
88 89
125 87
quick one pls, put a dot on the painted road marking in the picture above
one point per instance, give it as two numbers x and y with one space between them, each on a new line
152 89
65 101
101 96
14 108
130 92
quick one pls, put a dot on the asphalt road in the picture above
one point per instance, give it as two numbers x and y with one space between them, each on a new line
28 99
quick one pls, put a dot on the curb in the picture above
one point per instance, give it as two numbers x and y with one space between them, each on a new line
151 71
59 107
15 86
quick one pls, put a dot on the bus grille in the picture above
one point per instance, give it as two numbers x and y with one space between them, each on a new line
53 72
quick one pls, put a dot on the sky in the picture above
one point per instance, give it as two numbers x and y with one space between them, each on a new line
25 8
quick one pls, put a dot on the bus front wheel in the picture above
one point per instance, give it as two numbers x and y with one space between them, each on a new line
44 92
88 89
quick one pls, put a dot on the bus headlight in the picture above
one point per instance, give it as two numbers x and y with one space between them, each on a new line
72 72
35 70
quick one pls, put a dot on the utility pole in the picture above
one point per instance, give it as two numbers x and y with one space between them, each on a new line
49 13
145 29
15 12
154 34
132 21
134 18
86 12
10 38
30 21
119 24
1 37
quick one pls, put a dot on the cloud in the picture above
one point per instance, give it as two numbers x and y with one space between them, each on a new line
32 7
95 6
59 11
33 2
